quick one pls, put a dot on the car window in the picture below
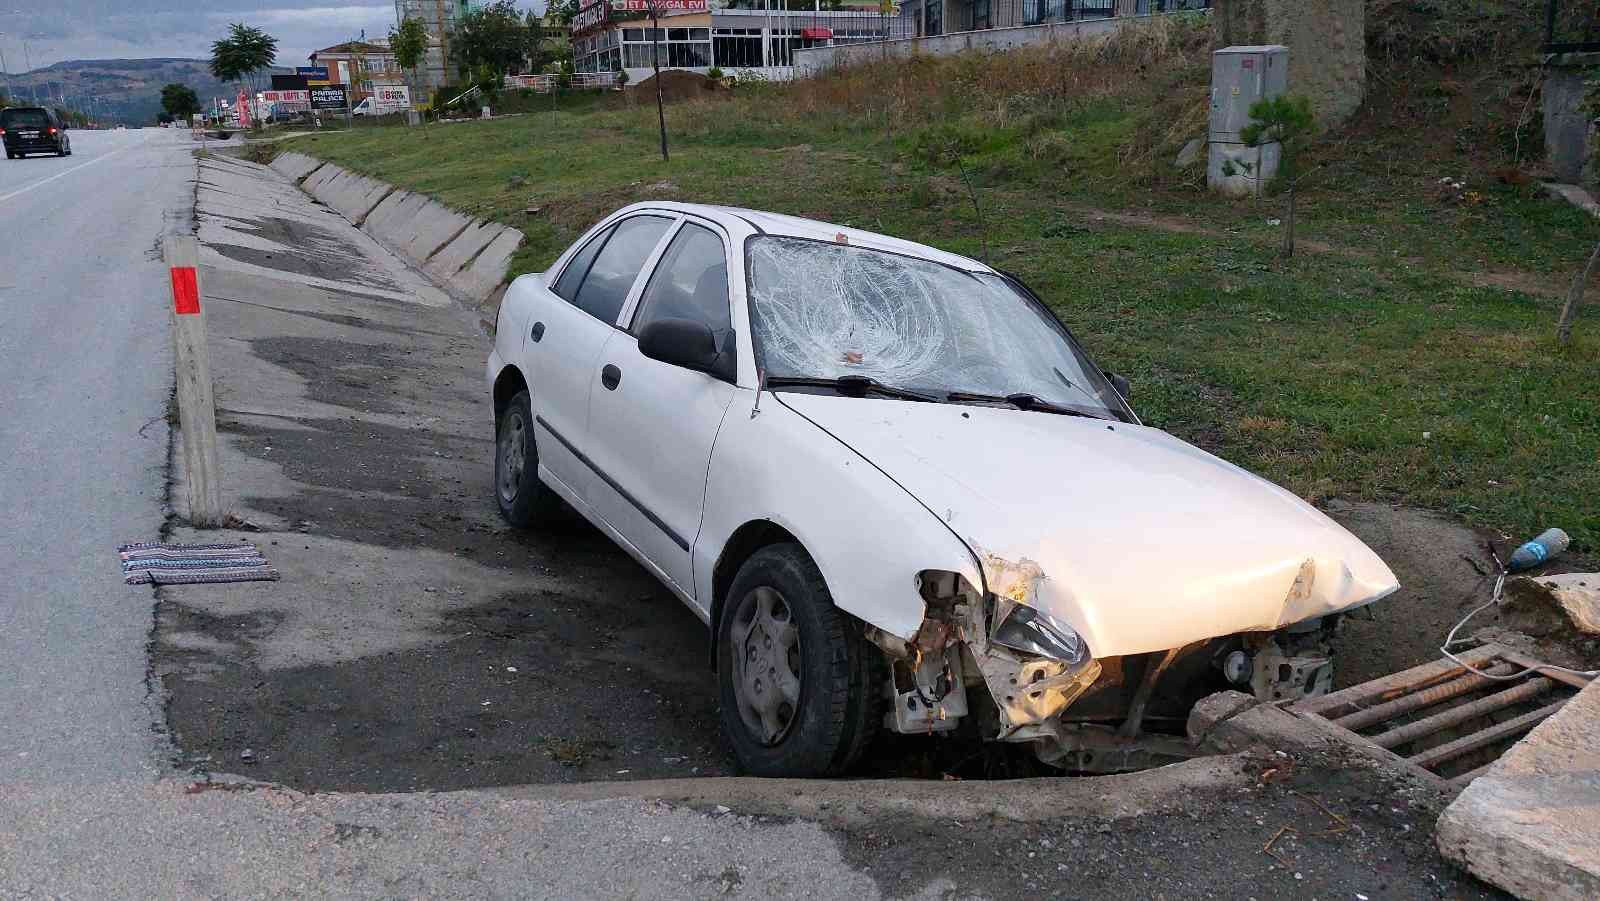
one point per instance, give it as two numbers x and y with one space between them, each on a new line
572 276
25 118
691 282
617 265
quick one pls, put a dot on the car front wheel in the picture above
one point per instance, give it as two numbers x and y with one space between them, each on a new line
524 500
796 676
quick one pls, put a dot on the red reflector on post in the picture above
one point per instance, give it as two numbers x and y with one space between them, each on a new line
185 290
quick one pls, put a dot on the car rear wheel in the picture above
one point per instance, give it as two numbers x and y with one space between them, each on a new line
796 677
523 499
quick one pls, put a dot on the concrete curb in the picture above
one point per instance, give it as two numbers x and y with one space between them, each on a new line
853 802
465 256
1230 722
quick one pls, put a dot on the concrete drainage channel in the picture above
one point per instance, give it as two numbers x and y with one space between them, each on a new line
466 257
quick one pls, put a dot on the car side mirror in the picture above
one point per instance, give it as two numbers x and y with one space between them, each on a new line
1119 382
680 342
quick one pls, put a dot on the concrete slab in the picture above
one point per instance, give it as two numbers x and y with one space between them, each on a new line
313 182
432 227
295 166
483 275
1531 825
389 220
458 253
354 196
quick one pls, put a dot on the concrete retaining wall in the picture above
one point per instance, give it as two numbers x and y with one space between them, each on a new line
467 257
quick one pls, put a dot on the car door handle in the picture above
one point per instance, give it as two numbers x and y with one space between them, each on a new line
610 377
538 331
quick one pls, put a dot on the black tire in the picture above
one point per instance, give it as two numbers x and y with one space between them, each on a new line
524 500
839 710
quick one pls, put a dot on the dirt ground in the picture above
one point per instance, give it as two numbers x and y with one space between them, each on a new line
1307 829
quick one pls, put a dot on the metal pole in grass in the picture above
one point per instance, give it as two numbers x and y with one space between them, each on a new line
655 63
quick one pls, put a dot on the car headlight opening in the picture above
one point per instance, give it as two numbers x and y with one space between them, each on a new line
1032 631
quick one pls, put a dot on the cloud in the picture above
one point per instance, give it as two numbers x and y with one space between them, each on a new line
89 29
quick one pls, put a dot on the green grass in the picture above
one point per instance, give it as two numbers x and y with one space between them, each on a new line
1370 372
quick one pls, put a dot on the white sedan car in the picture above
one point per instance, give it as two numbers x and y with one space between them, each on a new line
900 495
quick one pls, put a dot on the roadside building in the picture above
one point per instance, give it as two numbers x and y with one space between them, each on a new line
928 18
438 18
744 37
362 66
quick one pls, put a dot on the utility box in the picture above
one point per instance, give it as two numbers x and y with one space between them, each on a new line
1239 77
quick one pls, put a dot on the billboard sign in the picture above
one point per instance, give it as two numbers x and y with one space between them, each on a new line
286 96
590 17
315 73
329 97
600 12
391 98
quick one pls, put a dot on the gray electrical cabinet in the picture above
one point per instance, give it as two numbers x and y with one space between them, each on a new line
1239 77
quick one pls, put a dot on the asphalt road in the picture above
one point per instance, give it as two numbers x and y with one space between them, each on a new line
85 359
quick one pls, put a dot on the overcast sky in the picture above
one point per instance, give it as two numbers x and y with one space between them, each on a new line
105 29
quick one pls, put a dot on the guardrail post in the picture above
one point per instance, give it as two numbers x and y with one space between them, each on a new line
197 414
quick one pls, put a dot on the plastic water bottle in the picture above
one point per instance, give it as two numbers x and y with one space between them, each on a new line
1549 544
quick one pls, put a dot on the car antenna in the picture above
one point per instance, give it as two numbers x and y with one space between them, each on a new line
761 382
983 229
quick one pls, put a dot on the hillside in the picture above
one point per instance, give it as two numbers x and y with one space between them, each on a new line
128 90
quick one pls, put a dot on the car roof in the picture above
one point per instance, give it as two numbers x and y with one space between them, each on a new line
761 221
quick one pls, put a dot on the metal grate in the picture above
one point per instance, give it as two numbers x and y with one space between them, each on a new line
1443 719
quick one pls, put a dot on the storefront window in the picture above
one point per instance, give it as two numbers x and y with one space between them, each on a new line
737 48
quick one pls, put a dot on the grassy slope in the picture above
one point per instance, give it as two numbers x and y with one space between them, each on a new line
1369 367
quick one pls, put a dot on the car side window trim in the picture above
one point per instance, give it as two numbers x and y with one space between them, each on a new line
630 311
669 217
631 302
600 240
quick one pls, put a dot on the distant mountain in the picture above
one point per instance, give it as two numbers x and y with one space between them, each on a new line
118 90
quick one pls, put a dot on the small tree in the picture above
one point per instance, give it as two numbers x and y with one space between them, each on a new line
409 42
242 54
179 101
1285 120
493 37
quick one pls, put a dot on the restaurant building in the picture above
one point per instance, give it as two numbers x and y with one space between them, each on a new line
743 38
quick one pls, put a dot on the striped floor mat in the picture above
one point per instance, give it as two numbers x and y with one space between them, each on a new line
188 564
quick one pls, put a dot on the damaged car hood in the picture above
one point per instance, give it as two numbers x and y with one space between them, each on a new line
1137 540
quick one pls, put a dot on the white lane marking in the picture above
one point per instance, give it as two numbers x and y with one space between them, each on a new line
45 181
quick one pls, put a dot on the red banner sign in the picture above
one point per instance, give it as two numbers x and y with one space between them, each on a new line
643 6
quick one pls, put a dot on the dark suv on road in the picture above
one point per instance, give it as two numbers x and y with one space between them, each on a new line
33 129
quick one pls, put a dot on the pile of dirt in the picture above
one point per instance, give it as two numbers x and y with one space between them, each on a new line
676 85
